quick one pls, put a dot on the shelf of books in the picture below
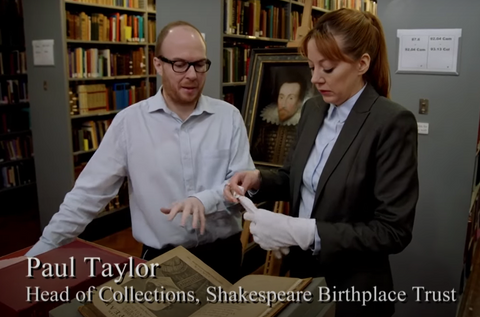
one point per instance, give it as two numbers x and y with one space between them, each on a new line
17 169
262 24
473 223
110 47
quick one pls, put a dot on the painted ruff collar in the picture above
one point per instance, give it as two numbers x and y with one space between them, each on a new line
270 115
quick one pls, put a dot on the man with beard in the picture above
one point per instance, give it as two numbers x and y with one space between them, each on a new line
177 149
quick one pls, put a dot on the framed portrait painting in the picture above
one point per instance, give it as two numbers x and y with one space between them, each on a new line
278 85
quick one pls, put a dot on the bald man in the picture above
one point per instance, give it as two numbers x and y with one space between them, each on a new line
177 149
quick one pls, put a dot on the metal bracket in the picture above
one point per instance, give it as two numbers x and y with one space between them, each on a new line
423 109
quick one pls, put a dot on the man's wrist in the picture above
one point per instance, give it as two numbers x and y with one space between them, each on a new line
206 200
259 180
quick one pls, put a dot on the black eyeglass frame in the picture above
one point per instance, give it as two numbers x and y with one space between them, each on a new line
166 60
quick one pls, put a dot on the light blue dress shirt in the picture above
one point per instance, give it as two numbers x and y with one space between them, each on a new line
326 138
166 160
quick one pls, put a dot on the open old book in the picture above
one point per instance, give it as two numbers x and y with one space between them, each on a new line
183 277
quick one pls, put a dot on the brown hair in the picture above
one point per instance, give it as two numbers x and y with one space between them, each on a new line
360 33
163 34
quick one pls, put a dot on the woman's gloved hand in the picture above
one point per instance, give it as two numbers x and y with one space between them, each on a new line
277 232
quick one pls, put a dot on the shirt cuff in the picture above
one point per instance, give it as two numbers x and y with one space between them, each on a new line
39 248
208 201
317 245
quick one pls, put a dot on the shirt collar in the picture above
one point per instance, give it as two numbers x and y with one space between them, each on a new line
157 102
344 109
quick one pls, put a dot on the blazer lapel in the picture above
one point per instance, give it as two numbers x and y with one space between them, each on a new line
352 126
305 145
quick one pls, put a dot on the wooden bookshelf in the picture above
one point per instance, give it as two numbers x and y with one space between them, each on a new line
16 148
471 255
112 78
17 187
254 38
15 161
93 42
102 6
119 39
101 66
95 114
240 83
470 303
18 105
274 24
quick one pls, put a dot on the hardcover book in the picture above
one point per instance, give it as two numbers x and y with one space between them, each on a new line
36 285
178 284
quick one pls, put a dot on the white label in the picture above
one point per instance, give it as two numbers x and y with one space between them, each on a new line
43 53
414 52
422 127
428 50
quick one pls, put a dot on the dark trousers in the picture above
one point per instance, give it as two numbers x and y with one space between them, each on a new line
223 255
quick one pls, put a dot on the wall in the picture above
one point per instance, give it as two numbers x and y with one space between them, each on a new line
50 114
446 154
206 15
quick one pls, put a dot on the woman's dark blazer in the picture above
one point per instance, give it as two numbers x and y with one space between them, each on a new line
366 196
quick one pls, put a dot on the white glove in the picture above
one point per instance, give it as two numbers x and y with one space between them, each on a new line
274 231
250 207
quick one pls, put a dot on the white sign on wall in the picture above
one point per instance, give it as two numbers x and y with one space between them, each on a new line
428 51
43 53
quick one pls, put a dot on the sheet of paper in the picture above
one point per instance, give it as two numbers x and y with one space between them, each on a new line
179 274
8 262
260 285
43 53
428 50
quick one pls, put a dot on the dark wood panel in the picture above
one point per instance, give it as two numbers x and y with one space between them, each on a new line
470 304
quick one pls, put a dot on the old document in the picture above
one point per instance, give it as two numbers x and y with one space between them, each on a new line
184 286
178 288
255 296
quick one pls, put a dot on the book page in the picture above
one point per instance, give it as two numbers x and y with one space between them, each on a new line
177 287
254 296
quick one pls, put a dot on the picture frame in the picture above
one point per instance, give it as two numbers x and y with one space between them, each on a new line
278 85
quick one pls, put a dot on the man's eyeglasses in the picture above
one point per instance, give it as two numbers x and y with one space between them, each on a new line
181 66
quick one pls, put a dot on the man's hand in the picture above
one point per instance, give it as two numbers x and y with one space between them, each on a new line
190 206
240 183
